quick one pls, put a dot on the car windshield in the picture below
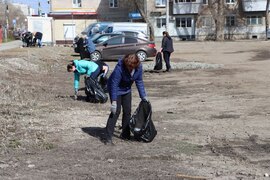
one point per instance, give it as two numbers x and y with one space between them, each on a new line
95 36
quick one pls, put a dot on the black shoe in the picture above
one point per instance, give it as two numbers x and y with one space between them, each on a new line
126 138
108 142
168 70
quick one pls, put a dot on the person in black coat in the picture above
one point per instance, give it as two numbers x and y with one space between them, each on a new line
38 38
167 49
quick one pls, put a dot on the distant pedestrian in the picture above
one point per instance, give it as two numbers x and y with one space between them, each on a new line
167 49
38 38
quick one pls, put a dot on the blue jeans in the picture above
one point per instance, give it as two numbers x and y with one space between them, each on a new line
39 42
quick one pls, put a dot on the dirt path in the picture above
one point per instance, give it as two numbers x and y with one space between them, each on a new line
212 123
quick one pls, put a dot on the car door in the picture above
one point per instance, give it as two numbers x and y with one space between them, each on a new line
111 49
129 46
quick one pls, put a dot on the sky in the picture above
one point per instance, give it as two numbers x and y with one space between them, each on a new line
34 4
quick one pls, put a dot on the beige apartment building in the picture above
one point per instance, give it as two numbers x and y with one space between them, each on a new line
188 19
71 17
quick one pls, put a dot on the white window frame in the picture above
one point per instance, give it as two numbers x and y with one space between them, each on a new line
113 3
69 31
229 19
230 1
206 21
258 20
162 22
76 3
184 22
160 3
205 2
184 1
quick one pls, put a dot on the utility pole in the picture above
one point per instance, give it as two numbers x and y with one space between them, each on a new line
39 9
167 15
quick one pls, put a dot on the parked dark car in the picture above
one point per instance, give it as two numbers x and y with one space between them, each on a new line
97 38
118 46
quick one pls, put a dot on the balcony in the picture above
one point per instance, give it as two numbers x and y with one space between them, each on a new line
254 5
187 7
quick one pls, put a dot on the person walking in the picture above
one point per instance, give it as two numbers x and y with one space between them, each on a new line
127 71
167 49
88 68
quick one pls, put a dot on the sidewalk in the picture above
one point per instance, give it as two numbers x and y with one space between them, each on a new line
10 45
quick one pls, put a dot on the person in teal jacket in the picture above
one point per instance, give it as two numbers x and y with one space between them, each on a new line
83 67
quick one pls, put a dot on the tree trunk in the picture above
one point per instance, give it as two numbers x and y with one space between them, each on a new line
145 18
220 21
267 19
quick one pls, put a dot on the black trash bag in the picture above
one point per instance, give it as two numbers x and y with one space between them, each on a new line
158 65
103 83
141 124
94 92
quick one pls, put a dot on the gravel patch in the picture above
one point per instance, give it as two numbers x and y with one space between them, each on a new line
184 66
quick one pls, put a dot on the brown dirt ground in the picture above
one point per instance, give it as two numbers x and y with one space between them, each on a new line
211 123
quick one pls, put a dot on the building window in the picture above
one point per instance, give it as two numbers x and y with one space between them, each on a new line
77 3
184 1
254 20
205 2
183 22
230 1
113 3
160 3
161 22
206 21
230 21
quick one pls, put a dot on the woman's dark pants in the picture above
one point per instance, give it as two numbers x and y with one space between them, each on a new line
166 56
125 102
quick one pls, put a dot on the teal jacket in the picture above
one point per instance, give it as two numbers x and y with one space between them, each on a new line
83 67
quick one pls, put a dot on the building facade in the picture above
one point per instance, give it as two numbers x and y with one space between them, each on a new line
187 19
196 19
71 17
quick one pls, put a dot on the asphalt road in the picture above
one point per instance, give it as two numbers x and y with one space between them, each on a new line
10 45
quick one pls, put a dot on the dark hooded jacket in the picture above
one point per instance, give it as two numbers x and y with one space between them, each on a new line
167 44
120 81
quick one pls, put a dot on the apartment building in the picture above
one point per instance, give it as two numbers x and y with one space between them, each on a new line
188 19
71 17
195 19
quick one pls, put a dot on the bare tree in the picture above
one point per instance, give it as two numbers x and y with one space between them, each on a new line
216 8
140 6
13 13
267 18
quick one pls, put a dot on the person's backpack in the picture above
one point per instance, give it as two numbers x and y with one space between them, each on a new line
94 92
141 124
158 65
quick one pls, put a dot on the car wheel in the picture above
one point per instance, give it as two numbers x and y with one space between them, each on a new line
141 55
95 56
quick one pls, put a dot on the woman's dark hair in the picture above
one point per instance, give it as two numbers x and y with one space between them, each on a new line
132 60
166 33
69 66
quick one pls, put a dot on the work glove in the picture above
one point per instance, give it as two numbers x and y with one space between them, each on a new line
76 94
145 99
113 107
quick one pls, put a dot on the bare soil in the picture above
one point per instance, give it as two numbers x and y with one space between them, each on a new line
211 123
